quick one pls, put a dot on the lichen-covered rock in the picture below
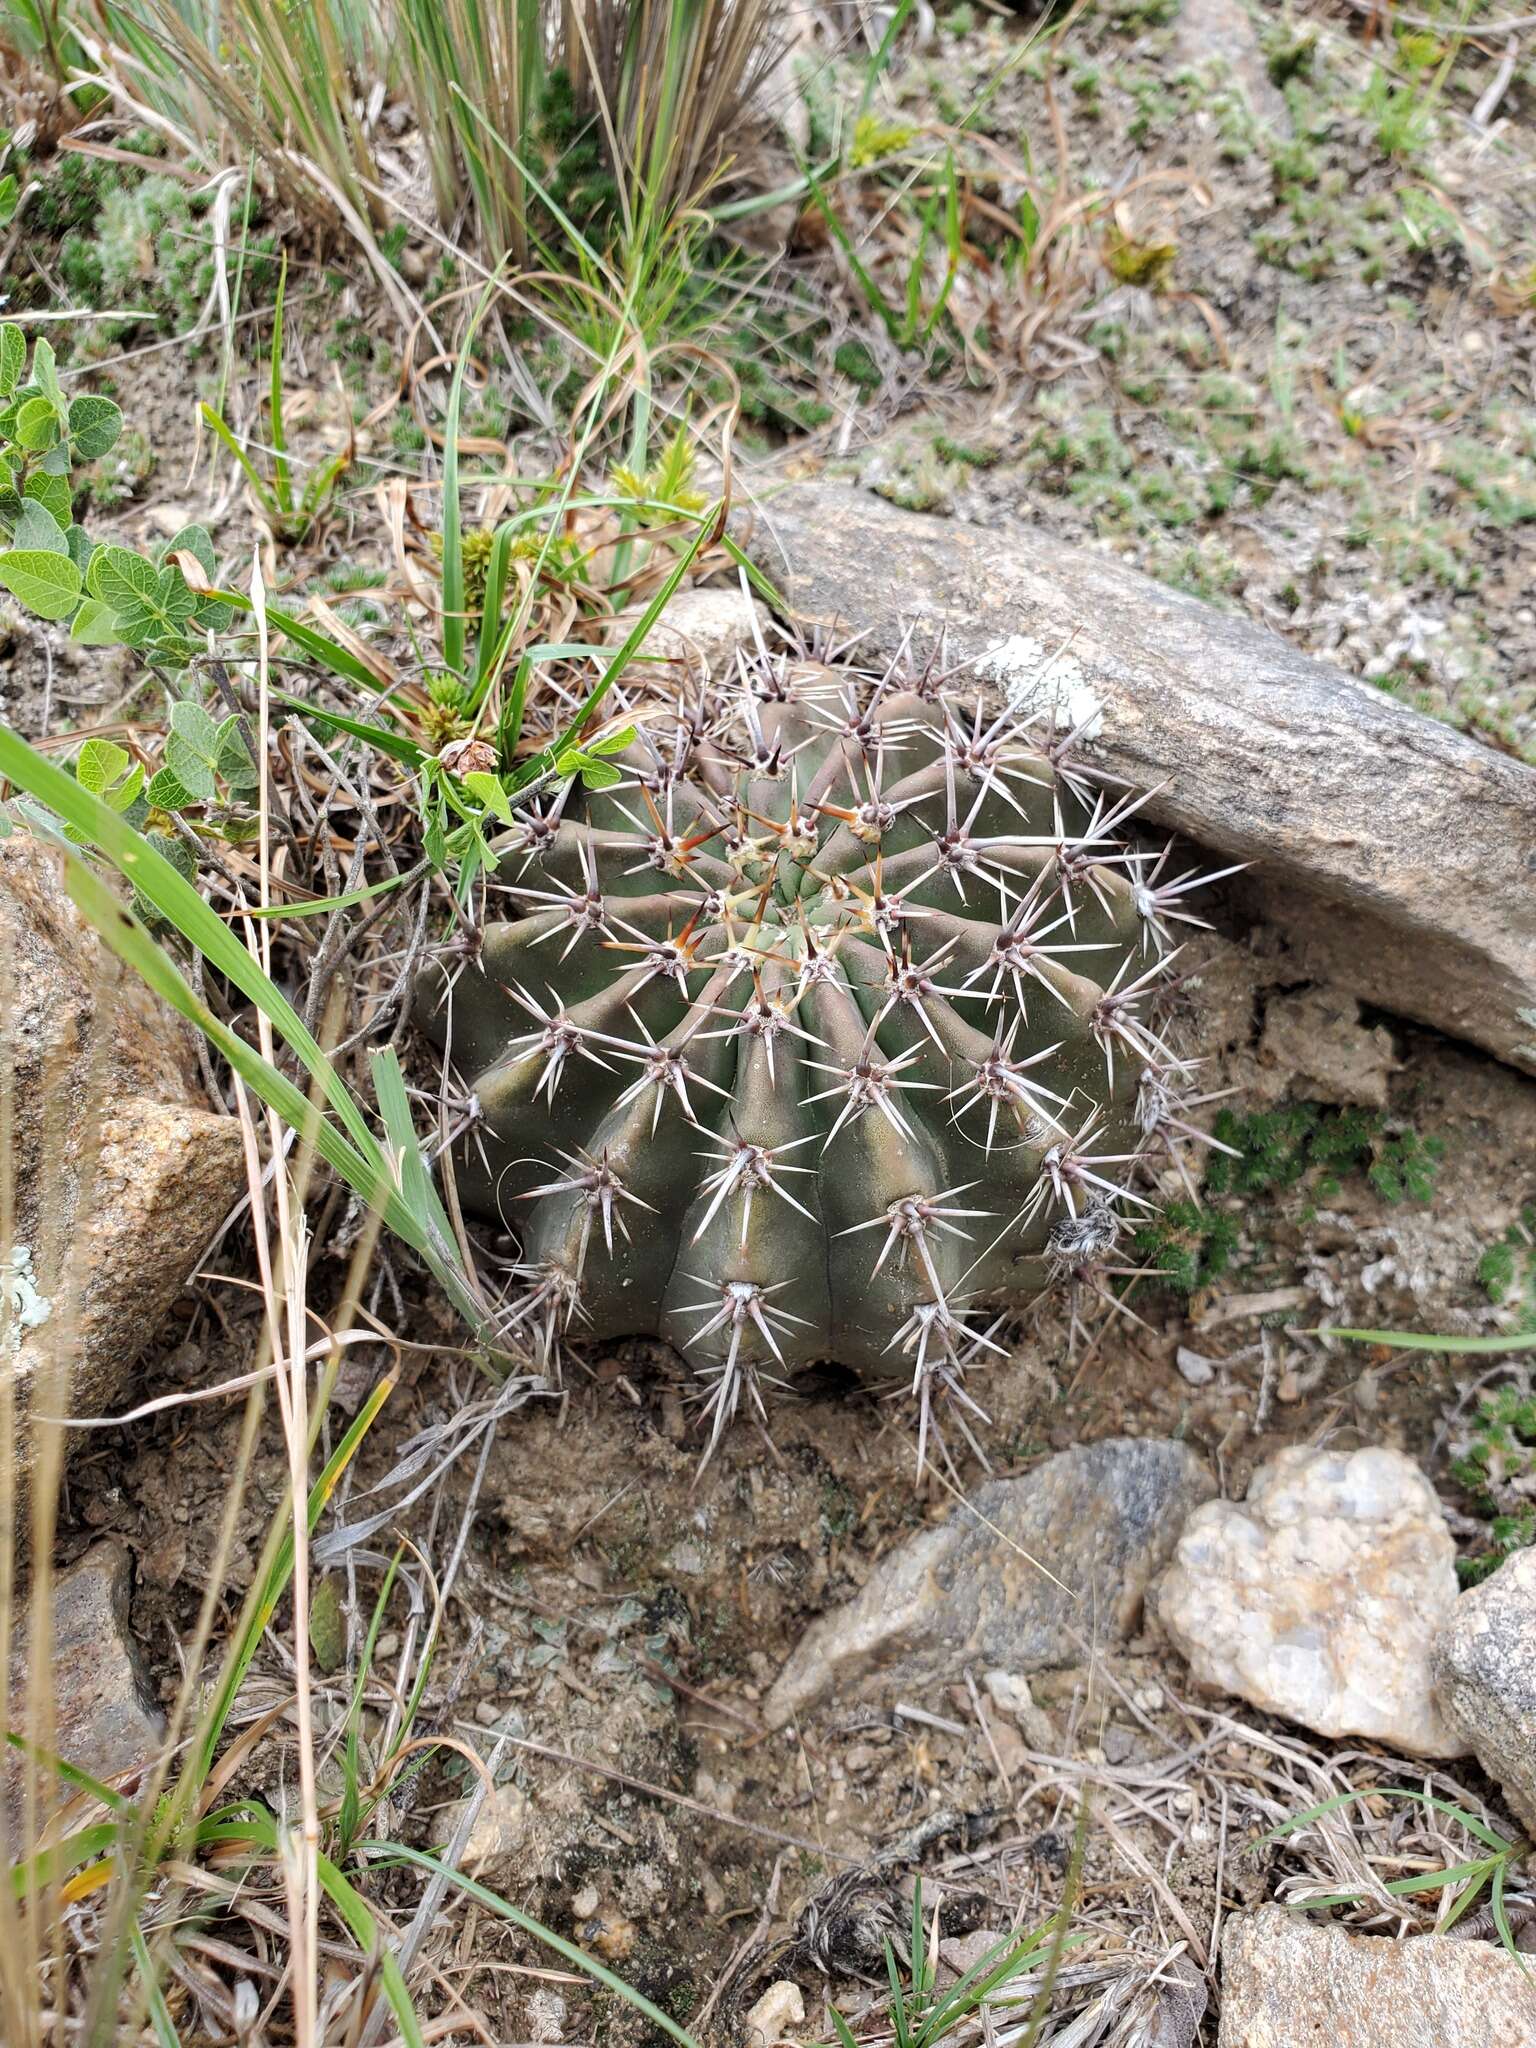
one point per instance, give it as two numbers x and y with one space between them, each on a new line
121 1173
1320 1597
820 1031
1485 1675
1287 1982
1028 1574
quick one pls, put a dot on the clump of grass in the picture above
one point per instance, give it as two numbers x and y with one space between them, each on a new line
1015 1978
1459 1886
623 111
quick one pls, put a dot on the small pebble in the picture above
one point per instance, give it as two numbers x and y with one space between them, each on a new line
780 2006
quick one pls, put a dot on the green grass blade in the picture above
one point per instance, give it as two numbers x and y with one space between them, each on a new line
845 2033
85 1845
364 1929
882 54
253 476
180 903
629 647
71 1775
1501 1918
1413 1340
381 737
160 2019
321 906
331 655
260 1612
455 621
396 1852
888 318
1469 1821
282 478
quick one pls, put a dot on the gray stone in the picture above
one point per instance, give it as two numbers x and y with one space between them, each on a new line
1485 1673
698 633
105 1720
121 1172
1287 1982
1314 1045
1027 1575
1321 1596
1394 854
498 1835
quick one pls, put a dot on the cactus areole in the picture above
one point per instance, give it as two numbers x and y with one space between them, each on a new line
818 1037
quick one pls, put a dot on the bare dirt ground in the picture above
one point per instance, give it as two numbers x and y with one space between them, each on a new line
617 1617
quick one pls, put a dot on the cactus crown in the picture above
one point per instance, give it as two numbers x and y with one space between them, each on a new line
822 1032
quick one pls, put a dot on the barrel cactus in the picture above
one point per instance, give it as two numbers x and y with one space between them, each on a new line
824 1034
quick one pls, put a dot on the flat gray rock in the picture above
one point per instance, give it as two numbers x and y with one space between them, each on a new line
1396 855
1027 1575
1485 1674
1288 1982
106 1720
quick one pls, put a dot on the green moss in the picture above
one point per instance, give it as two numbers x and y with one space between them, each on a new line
149 257
1304 1146
854 360
1288 53
1496 1453
966 452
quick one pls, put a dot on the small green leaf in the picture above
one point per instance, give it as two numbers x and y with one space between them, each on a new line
327 1627
166 793
45 376
37 424
195 541
150 603
46 583
96 624
614 742
101 763
191 770
51 491
13 357
488 789
94 425
232 757
196 727
118 577
10 198
37 528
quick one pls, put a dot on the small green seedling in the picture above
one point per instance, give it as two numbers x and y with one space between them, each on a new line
108 596
291 512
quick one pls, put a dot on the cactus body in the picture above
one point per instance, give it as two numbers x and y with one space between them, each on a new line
820 1034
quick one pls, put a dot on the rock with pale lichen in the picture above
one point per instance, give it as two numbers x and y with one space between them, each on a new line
1292 1983
1320 1596
1485 1675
